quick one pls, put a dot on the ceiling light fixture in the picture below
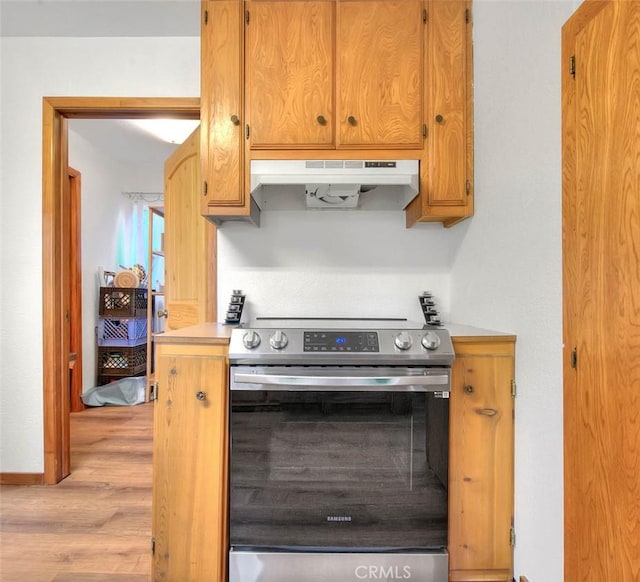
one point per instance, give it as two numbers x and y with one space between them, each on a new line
169 130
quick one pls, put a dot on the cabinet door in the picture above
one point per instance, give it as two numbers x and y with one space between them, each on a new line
446 168
290 73
481 463
221 111
190 240
189 459
380 73
448 93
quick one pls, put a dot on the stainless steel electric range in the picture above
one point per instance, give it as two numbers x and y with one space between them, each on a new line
338 450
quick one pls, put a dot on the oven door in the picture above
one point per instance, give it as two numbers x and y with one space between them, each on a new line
338 459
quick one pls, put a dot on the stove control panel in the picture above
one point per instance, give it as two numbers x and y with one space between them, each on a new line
340 346
340 341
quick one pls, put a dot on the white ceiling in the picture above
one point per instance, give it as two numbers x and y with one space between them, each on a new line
120 140
93 18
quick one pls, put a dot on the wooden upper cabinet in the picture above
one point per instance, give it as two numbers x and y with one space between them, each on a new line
446 169
448 95
305 58
221 108
380 73
289 68
338 79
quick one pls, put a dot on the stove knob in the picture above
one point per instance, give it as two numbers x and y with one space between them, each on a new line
278 340
431 340
403 340
251 339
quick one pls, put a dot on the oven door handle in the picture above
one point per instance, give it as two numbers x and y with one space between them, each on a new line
431 383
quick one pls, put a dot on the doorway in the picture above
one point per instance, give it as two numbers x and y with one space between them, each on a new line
56 251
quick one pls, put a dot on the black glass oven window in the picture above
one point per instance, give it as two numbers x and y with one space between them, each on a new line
346 471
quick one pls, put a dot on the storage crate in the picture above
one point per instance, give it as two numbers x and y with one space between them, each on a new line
123 302
122 361
122 332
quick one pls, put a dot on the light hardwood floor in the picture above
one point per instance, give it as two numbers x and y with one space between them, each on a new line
95 526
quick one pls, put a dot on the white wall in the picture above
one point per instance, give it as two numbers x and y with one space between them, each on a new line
507 274
33 68
328 263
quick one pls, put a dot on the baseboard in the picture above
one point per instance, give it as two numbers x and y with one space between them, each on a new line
21 478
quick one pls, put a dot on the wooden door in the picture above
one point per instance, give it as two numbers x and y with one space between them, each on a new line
380 73
189 522
190 276
290 73
481 450
221 108
601 296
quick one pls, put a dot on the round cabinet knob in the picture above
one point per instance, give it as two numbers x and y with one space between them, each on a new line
403 340
278 340
201 396
352 120
251 339
322 120
439 118
431 340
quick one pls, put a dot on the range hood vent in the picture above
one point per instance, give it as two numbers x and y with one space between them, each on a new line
334 184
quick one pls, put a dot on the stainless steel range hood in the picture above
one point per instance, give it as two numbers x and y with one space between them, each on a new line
334 184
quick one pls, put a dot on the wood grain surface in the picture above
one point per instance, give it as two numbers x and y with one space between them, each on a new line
448 104
190 273
379 77
481 461
221 80
95 526
602 293
290 65
446 165
190 460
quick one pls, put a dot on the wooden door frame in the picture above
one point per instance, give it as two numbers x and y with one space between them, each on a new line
75 288
55 250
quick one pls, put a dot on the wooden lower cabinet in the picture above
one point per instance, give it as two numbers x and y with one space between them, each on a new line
481 421
190 510
189 464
